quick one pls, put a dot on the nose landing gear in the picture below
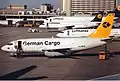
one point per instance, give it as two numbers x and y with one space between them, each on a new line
18 53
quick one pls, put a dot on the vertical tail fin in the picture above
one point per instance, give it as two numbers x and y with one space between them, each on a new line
104 29
117 11
98 17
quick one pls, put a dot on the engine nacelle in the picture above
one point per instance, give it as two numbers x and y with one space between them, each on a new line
53 54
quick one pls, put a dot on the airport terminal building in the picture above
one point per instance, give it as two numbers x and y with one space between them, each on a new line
87 6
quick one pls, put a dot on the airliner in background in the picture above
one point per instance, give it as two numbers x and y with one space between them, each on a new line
62 22
84 32
62 46
62 19
70 22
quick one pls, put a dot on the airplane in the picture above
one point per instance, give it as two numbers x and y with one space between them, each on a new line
62 19
84 32
70 22
63 22
53 47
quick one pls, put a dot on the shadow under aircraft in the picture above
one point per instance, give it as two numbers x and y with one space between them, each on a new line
16 74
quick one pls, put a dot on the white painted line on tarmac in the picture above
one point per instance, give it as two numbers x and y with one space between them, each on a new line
109 77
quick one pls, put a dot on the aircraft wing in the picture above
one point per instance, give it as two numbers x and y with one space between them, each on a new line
111 39
107 40
84 25
66 27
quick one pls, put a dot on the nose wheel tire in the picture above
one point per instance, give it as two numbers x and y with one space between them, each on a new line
18 53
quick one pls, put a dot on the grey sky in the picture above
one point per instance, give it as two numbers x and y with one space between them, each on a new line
4 3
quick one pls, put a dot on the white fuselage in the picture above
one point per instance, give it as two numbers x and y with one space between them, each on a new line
45 44
67 24
84 32
77 22
62 19
70 19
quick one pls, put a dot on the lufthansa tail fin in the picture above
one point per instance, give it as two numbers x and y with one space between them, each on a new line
104 29
116 11
98 17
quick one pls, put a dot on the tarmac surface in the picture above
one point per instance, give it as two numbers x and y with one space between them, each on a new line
82 66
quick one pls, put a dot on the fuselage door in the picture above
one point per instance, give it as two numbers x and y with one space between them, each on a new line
19 44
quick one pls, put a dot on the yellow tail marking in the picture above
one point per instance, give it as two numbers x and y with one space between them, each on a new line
104 29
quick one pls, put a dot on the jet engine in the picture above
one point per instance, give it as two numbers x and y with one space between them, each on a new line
53 54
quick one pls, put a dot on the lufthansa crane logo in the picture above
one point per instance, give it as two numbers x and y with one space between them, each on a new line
118 8
99 16
106 24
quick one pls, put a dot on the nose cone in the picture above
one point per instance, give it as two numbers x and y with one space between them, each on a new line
5 48
59 35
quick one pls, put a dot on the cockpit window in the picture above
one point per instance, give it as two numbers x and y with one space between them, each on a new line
10 44
61 32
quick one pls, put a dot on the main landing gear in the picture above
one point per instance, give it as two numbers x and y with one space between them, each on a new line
107 51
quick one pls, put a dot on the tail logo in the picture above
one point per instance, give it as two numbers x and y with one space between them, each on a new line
118 8
99 16
106 24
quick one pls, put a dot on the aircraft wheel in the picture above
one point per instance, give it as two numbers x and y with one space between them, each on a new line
18 53
68 53
17 24
31 31
35 30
